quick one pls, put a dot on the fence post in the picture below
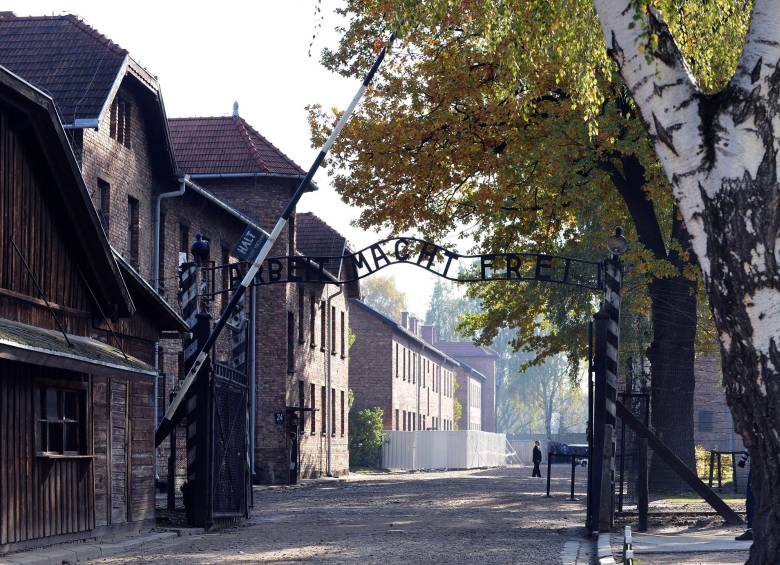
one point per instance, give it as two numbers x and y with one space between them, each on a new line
642 492
198 407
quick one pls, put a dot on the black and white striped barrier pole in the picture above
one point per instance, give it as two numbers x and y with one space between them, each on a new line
613 278
606 346
256 240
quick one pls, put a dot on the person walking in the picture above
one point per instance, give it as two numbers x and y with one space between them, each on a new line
537 459
748 534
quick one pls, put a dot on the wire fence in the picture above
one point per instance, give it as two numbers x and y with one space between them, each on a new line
703 438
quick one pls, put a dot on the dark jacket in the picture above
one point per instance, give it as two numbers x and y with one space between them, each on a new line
537 454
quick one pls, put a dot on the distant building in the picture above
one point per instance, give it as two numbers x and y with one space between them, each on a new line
479 367
393 368
712 420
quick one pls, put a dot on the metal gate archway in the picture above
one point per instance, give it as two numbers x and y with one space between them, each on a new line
218 460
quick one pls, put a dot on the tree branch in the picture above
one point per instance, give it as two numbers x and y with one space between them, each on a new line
758 65
669 101
658 79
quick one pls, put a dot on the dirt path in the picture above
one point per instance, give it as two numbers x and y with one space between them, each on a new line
479 516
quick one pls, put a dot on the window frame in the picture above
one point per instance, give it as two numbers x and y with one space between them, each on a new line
133 231
81 421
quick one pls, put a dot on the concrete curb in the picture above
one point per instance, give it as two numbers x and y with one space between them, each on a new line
76 552
604 549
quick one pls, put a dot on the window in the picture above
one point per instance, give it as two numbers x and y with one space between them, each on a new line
121 118
343 341
323 404
133 227
61 422
290 342
705 421
403 414
414 367
342 413
404 364
301 404
313 409
312 319
396 363
323 326
184 239
397 422
332 330
300 315
104 202
333 411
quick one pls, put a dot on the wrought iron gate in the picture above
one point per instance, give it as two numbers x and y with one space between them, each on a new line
230 463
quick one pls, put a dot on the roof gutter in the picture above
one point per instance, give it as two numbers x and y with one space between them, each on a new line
249 175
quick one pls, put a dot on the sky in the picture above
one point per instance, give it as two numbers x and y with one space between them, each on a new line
207 55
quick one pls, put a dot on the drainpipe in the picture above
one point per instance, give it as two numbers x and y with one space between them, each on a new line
328 396
156 285
252 376
156 219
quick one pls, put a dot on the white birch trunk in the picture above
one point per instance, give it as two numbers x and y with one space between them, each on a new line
720 153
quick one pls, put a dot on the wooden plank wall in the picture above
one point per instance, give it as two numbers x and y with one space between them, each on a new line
26 215
118 458
38 497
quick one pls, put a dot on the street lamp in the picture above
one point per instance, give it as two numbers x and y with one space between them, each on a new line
617 244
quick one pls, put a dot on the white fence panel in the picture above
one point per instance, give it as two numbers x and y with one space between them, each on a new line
435 449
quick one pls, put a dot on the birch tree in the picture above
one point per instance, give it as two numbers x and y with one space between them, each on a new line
720 152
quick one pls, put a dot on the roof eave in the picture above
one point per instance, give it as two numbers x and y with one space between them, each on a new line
398 327
313 186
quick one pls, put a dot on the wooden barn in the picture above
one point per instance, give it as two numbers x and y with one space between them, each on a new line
78 331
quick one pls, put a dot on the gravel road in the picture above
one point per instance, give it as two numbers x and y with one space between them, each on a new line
476 516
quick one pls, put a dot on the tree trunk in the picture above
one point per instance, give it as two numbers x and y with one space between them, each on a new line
673 316
720 154
671 356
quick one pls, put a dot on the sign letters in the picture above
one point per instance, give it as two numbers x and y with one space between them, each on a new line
426 255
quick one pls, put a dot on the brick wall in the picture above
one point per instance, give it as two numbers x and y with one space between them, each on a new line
487 366
713 424
129 172
396 372
263 200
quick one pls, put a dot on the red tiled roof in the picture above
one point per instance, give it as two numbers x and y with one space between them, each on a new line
315 238
224 145
64 57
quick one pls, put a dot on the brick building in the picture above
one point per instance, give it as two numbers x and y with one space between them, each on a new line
393 368
134 163
479 364
301 345
712 420
469 391
79 329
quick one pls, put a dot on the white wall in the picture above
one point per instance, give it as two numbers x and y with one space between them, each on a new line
435 449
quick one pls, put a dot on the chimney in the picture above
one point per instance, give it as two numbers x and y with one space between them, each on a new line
404 319
413 325
235 109
430 334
